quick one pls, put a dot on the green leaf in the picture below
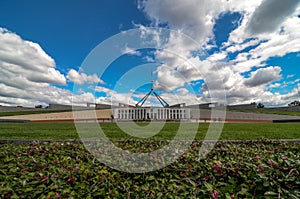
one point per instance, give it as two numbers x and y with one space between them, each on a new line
208 186
266 184
270 193
227 195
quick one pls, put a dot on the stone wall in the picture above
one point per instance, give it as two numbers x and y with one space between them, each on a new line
242 107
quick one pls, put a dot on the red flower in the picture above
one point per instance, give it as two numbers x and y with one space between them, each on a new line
271 164
25 170
74 169
45 179
31 152
284 158
72 180
214 195
206 177
217 168
190 166
261 168
57 195
183 156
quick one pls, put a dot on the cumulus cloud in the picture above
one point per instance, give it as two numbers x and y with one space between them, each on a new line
263 76
274 23
276 85
27 59
114 98
130 51
180 15
82 78
269 16
242 46
28 75
168 80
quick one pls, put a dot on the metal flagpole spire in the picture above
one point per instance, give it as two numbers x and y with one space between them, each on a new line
160 99
152 81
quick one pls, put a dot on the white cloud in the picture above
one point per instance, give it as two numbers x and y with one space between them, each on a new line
290 76
168 79
263 76
276 34
278 42
183 91
276 85
197 20
242 46
180 15
269 16
217 56
130 51
105 90
27 59
82 78
27 75
114 98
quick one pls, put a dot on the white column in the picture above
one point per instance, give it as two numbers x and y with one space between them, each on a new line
158 113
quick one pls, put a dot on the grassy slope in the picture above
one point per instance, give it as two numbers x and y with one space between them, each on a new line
231 131
31 112
269 112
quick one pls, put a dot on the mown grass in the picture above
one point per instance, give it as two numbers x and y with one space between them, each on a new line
231 131
268 111
31 112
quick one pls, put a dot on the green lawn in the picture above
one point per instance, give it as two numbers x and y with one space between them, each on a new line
231 131
269 111
31 112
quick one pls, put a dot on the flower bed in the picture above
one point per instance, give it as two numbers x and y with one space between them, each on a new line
231 170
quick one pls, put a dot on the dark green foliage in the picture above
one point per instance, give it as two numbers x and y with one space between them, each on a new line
258 169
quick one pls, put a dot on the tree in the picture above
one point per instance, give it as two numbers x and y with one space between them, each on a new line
295 103
38 106
260 105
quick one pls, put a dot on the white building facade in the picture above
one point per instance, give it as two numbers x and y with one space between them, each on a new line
155 113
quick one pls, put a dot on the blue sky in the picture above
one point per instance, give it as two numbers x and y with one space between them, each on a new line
252 47
68 30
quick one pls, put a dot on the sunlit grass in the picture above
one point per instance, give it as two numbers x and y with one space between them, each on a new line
231 131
